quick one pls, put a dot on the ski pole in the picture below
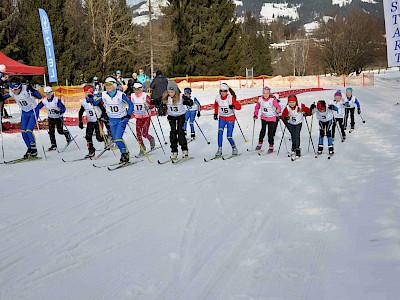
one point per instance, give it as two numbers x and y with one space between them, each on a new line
252 138
103 134
149 113
361 118
283 136
159 123
201 131
1 133
312 142
140 145
284 140
245 140
336 124
61 119
40 135
312 118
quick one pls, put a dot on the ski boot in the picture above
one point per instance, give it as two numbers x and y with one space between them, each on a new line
320 148
33 152
91 153
68 137
298 152
330 149
142 150
52 147
152 143
259 146
234 151
174 155
124 158
271 148
185 154
192 135
219 152
27 154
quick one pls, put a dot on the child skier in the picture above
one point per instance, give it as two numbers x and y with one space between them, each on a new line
270 109
338 114
176 118
191 113
55 110
94 114
141 102
350 102
325 120
293 115
25 96
225 104
115 102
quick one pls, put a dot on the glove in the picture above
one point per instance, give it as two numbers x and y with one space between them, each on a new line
255 117
287 118
80 125
359 111
215 117
331 106
312 106
186 100
198 114
126 118
232 106
30 88
347 104
304 113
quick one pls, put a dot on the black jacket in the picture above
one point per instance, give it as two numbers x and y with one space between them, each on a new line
158 87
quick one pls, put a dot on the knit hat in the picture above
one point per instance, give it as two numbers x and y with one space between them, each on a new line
224 87
321 105
187 90
292 97
172 86
88 88
349 90
137 85
266 88
338 93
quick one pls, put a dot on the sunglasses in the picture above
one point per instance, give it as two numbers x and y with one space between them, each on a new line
109 83
137 89
223 91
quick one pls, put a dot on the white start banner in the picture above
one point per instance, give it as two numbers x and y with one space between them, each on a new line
392 23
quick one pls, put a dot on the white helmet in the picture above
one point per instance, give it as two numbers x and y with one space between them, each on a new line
48 89
137 85
2 68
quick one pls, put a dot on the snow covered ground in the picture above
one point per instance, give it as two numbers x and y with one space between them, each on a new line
252 227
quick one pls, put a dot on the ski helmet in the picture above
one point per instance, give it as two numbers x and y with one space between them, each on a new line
187 90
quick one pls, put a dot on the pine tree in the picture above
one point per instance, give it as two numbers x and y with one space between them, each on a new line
206 33
8 12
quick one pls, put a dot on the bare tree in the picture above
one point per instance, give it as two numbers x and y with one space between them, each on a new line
112 32
348 44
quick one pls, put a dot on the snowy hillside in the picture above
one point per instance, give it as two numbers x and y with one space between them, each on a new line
252 227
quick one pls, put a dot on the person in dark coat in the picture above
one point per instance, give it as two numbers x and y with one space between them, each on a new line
158 87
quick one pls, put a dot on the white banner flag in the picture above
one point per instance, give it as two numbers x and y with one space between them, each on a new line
392 22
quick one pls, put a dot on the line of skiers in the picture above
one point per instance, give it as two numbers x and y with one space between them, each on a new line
114 109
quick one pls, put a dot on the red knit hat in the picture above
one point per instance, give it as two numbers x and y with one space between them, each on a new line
89 89
321 105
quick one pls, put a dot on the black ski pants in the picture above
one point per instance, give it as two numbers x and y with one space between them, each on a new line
177 134
338 122
271 131
349 111
53 123
295 134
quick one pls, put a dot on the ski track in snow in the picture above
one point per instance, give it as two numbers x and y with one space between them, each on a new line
252 227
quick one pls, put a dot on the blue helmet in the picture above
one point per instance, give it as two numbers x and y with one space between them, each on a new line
118 72
15 85
188 90
95 78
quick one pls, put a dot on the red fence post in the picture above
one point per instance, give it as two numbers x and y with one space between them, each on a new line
363 79
319 81
344 80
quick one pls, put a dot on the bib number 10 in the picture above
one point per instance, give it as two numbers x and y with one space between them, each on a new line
114 109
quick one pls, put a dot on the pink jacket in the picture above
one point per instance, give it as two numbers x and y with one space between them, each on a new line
274 103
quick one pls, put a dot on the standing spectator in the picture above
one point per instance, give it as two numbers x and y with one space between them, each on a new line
3 80
146 86
97 86
142 77
158 87
129 90
119 78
